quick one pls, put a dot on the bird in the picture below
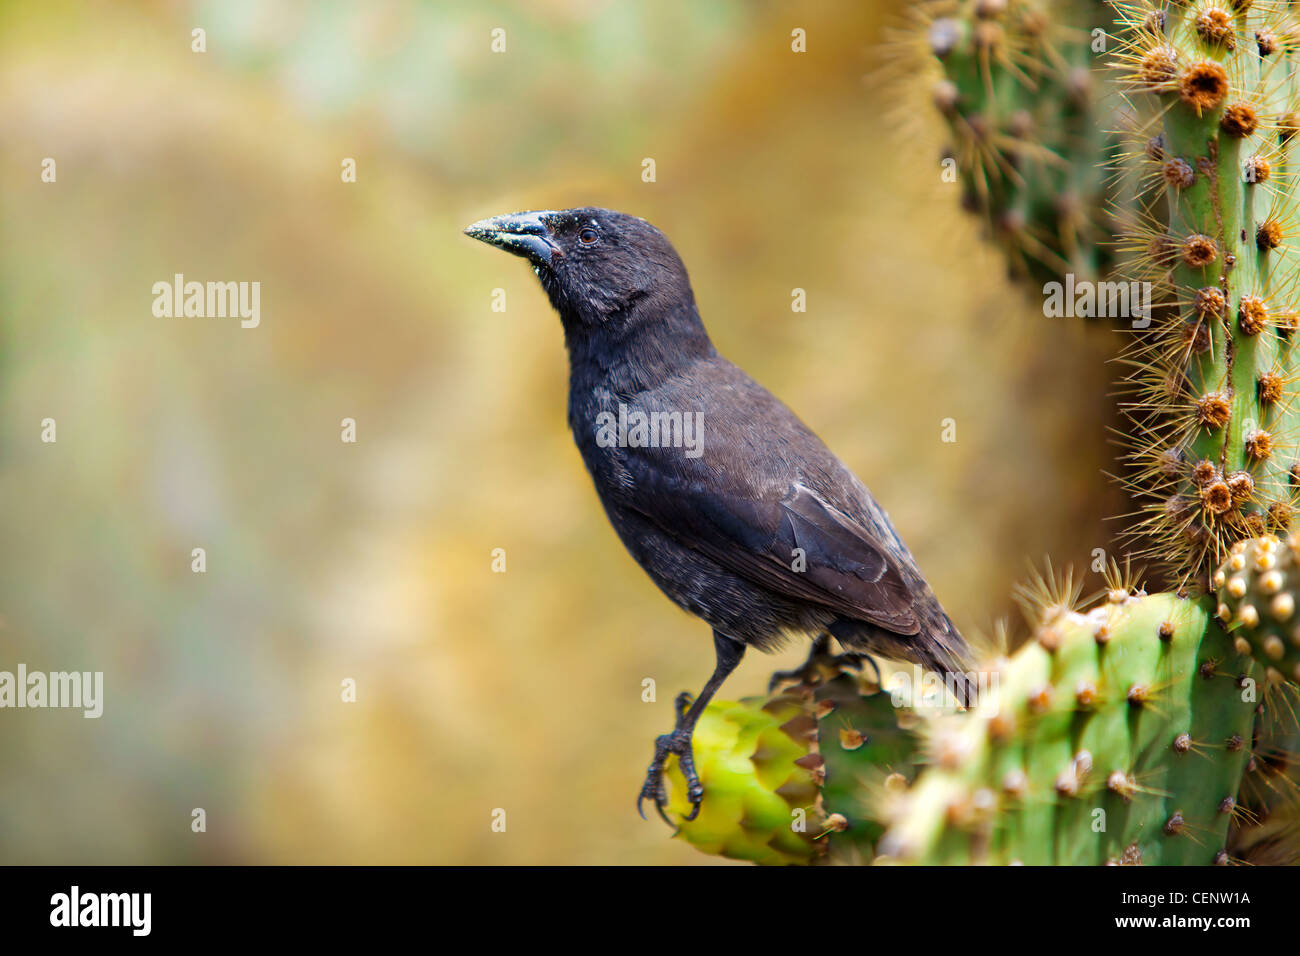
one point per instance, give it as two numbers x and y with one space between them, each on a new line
731 505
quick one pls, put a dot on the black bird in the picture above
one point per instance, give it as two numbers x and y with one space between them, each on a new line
730 503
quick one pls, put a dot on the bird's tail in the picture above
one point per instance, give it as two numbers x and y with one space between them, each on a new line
937 647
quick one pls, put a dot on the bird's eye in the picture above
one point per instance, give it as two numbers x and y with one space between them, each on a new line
588 236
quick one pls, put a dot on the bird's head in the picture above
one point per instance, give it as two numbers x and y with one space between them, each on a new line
606 272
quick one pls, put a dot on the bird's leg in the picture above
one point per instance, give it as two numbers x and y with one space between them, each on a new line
728 652
819 658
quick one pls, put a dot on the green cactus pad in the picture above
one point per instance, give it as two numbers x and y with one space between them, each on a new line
869 744
758 763
1116 736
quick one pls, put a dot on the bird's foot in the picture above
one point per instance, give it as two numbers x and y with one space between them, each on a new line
822 666
678 743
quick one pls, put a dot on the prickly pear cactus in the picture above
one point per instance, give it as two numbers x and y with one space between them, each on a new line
1116 736
1213 86
1257 587
784 776
1017 91
757 759
868 743
1134 733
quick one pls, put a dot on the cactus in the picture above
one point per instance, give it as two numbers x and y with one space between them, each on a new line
869 745
1213 401
1257 587
784 773
1116 736
758 761
1213 104
1213 99
1123 735
1021 105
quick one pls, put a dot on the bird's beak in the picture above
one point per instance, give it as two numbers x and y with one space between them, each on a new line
524 234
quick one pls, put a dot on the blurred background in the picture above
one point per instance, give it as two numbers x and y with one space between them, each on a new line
372 561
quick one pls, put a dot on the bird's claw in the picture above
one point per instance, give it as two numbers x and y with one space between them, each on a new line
679 744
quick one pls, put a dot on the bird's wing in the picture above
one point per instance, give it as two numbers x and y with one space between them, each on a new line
845 568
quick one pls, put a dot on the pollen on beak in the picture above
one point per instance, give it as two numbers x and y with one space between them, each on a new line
525 234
